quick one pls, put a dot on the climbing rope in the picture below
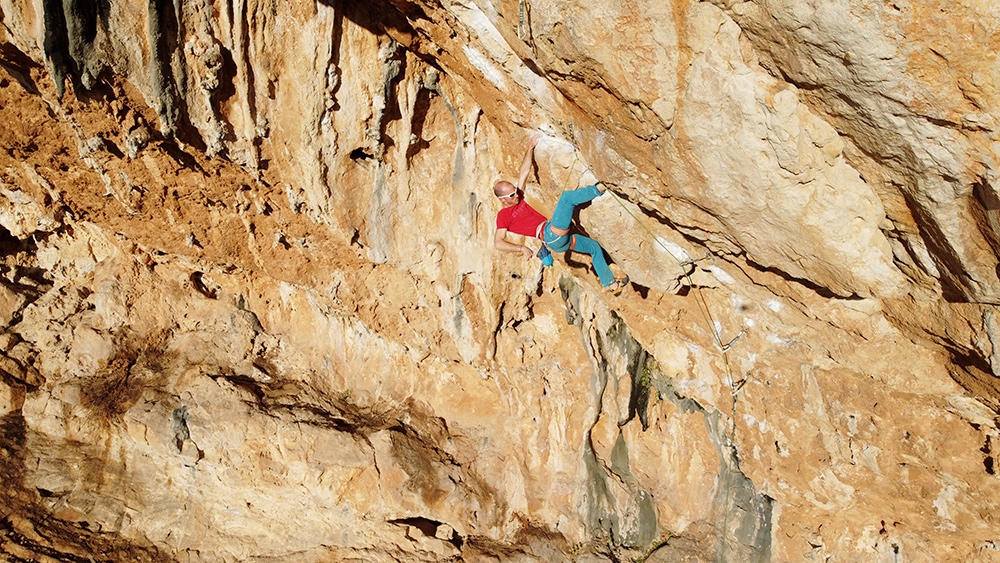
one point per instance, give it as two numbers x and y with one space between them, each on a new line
723 347
710 321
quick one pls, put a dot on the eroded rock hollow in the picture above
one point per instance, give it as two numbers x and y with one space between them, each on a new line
251 308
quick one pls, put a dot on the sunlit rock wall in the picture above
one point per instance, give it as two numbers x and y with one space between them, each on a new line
251 308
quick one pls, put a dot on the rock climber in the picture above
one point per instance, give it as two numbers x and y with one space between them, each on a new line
517 217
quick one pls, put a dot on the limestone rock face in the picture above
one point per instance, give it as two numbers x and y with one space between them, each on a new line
250 308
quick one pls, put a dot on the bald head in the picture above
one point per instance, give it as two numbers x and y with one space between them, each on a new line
502 188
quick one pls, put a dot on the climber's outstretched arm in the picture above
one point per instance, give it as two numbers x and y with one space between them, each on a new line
529 157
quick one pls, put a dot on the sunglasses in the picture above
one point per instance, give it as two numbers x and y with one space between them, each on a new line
508 196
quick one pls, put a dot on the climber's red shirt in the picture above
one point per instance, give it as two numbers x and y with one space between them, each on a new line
520 219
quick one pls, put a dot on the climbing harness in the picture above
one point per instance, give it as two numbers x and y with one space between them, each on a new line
548 244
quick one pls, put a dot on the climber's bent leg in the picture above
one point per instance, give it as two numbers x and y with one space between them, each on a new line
568 201
590 246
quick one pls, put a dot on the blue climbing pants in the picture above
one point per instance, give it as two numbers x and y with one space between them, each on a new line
561 218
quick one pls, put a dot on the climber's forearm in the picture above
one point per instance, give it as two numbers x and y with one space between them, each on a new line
501 243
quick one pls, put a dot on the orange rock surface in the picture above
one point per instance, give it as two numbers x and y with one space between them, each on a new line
251 308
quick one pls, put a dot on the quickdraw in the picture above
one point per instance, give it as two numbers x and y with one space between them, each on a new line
522 29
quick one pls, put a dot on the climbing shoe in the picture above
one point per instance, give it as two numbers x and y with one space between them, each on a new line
618 286
545 256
